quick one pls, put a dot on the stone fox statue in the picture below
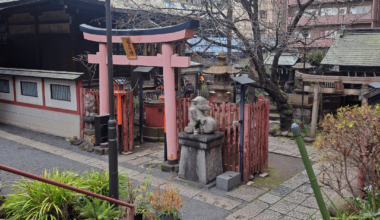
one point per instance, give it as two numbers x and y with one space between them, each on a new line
197 111
90 105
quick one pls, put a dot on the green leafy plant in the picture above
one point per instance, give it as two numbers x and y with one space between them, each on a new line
99 182
369 207
136 193
306 130
38 200
316 57
98 210
349 144
136 102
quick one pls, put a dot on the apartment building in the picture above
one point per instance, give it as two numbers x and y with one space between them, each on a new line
324 20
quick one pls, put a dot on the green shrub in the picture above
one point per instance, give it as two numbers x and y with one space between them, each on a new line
99 182
38 200
136 193
306 130
98 209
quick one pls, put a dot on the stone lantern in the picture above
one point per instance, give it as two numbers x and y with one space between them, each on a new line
221 71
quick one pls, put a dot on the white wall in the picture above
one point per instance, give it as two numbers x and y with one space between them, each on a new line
69 105
29 99
49 122
8 96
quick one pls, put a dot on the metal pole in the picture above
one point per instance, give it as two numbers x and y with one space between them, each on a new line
112 143
310 172
242 103
303 82
141 107
235 93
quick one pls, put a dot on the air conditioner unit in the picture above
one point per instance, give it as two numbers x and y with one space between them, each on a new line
343 11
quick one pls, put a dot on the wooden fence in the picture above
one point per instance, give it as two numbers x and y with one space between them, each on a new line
256 132
128 115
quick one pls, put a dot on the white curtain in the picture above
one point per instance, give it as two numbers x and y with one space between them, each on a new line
60 92
4 85
29 89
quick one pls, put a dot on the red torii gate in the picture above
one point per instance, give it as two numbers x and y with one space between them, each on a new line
167 60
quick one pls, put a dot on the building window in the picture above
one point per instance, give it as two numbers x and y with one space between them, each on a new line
4 86
328 33
60 92
310 13
29 89
299 35
329 11
360 9
263 14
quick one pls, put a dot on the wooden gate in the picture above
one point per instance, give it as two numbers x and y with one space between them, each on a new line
256 132
128 115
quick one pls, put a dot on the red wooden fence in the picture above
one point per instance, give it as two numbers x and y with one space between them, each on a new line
256 132
128 117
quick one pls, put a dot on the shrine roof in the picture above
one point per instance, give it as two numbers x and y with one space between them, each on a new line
192 24
61 75
357 47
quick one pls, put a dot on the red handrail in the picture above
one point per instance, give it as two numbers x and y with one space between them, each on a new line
55 183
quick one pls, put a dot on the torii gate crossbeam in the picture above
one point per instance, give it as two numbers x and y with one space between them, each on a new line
167 60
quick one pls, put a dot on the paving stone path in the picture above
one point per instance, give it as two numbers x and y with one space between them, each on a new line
293 199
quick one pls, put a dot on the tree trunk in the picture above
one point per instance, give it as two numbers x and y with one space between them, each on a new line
229 35
272 87
251 91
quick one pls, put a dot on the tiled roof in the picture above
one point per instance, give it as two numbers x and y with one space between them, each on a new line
286 59
359 47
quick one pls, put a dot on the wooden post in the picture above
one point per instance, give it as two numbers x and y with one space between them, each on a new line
364 90
314 117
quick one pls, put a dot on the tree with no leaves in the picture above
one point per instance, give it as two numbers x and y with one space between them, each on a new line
255 25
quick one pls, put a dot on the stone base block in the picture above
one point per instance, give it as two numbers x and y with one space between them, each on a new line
201 157
168 168
228 180
309 139
106 151
196 184
99 150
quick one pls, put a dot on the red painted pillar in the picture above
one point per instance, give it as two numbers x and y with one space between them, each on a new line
170 104
103 81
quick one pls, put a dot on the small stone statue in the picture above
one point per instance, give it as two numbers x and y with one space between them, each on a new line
90 105
197 111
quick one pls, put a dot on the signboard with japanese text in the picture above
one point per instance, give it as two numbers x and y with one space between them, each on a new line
129 49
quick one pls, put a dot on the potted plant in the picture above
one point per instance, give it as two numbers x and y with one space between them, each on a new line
166 204
136 194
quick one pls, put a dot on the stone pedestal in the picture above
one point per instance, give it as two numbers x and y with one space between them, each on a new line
89 129
201 157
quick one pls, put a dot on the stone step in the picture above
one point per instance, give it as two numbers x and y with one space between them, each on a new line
274 116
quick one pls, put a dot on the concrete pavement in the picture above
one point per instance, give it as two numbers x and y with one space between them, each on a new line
33 152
